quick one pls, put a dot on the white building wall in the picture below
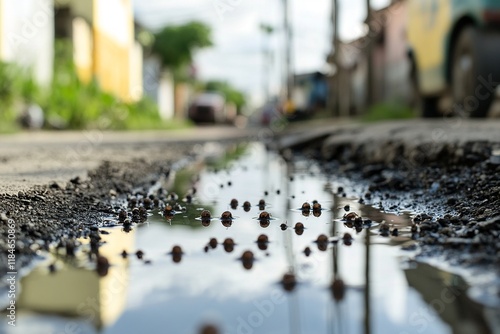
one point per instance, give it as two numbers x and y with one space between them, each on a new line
136 77
166 95
27 36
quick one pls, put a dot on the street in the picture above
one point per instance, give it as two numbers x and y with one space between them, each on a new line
37 158
231 167
86 204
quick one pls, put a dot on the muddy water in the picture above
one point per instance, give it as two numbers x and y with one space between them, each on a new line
161 293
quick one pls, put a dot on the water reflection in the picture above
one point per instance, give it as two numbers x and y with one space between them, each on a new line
289 282
75 289
262 242
264 216
262 246
234 204
367 294
102 266
264 223
299 228
176 254
347 239
307 251
227 222
322 242
247 259
168 212
338 289
228 245
139 254
247 206
213 243
226 219
127 227
446 293
209 329
295 279
316 213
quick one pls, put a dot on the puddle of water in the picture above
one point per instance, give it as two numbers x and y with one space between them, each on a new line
211 285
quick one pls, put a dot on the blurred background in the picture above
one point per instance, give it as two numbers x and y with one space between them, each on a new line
125 64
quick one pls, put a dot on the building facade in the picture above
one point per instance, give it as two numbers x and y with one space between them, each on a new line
104 47
27 36
391 66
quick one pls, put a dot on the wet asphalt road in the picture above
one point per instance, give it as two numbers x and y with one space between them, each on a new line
453 161
37 158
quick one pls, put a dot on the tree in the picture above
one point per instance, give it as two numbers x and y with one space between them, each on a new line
369 58
175 45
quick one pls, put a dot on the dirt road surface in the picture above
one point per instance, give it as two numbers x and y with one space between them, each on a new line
37 158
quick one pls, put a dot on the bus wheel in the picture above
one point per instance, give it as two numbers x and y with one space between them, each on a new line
429 106
474 71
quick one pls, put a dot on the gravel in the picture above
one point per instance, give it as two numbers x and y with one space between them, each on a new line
451 179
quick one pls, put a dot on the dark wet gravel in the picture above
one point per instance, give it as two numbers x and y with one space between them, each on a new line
455 189
56 215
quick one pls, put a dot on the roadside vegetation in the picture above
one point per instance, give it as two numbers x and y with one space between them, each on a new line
15 87
176 47
70 104
388 111
231 94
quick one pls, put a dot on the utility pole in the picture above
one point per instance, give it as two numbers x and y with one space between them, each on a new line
367 299
369 102
335 91
369 57
267 31
288 52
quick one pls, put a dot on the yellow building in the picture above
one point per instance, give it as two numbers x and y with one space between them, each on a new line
102 32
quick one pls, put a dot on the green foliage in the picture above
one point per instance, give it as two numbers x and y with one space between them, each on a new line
145 38
175 45
232 154
144 115
71 104
183 181
266 28
77 105
230 93
387 111
7 97
17 88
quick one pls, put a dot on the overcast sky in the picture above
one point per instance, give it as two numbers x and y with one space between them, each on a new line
237 54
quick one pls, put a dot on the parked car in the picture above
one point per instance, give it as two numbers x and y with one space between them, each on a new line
208 107
454 48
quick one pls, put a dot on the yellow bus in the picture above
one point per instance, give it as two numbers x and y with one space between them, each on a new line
454 49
